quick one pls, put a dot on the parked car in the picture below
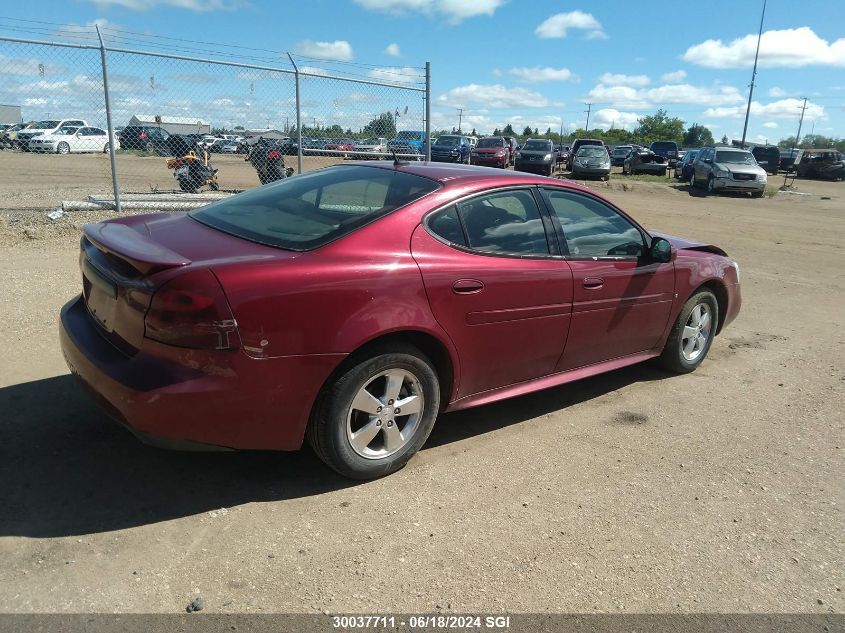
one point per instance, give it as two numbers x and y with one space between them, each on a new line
222 312
619 154
562 153
228 147
820 163
536 156
787 159
591 161
768 157
340 147
152 139
407 142
513 144
9 136
492 151
370 149
451 148
71 139
728 169
578 144
683 169
181 144
49 126
667 149
644 161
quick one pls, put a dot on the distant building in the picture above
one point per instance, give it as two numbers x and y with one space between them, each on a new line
173 124
268 133
10 114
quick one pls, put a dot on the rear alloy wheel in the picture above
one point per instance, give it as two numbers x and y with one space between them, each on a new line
710 188
377 414
692 334
62 148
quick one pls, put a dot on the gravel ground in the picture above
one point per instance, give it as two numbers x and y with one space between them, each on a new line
636 491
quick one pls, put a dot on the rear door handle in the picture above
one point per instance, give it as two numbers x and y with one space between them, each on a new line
467 286
593 283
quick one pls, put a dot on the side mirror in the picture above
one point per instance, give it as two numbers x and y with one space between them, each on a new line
660 250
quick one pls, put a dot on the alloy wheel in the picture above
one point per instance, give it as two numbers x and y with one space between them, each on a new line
385 414
696 332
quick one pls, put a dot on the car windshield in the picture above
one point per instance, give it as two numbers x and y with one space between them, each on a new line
735 157
537 146
315 208
408 136
621 151
491 142
592 151
663 145
45 125
449 141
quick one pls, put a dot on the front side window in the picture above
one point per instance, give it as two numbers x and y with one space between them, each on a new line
592 228
507 222
315 208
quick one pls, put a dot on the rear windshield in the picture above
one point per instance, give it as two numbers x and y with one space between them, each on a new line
409 136
309 210
539 146
449 140
621 151
664 145
592 151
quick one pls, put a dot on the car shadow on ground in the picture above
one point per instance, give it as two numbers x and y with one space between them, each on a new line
67 469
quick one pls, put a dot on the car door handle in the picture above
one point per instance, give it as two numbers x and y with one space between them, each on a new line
467 286
593 283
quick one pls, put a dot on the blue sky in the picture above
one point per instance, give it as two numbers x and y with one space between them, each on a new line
524 62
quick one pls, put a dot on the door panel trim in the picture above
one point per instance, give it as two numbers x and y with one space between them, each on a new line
518 314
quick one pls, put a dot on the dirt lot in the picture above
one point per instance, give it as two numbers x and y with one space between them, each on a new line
637 491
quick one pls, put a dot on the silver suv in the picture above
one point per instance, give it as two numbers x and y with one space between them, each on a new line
728 169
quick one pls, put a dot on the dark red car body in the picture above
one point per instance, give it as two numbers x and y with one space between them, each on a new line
499 156
495 326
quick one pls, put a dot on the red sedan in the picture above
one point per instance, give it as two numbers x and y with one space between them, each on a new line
351 305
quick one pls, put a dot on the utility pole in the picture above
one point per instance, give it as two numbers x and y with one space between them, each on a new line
797 136
460 118
753 76
589 107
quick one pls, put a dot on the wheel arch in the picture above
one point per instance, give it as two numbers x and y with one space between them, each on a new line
717 287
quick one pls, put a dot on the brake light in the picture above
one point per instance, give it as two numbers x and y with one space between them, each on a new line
142 135
274 154
191 311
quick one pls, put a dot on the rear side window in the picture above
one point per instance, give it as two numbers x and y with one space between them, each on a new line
447 226
312 209
507 222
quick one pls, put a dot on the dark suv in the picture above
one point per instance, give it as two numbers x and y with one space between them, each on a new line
145 138
666 149
768 157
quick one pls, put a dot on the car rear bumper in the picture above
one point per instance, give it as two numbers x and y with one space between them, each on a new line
184 398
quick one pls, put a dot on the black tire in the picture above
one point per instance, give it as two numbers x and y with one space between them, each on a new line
757 194
106 149
63 148
187 185
672 357
710 190
327 429
214 186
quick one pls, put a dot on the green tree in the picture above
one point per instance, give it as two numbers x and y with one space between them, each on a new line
383 125
527 131
697 136
659 127
497 132
473 133
508 130
724 140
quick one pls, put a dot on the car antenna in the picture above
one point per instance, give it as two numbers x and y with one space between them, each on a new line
396 161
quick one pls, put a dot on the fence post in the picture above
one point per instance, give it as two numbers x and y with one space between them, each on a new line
428 111
298 118
112 149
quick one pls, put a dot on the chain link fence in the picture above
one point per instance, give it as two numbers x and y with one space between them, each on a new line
185 129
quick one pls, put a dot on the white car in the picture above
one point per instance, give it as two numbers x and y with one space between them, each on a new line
45 127
71 139
365 149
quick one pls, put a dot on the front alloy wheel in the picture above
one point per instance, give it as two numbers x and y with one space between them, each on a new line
692 334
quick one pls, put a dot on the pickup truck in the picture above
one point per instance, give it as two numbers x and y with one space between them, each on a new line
407 142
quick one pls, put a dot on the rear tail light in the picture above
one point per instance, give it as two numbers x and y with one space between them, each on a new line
142 135
274 154
191 311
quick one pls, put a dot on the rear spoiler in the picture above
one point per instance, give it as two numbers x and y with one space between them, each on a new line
133 247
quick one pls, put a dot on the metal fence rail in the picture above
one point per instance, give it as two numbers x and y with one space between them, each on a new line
113 118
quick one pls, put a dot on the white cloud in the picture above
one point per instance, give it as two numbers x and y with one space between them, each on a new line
611 79
339 50
454 10
404 75
199 6
538 74
783 109
641 98
393 50
557 25
493 96
791 48
770 124
674 77
777 92
610 117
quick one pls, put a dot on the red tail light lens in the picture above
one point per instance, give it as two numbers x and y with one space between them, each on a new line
274 154
191 311
142 135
